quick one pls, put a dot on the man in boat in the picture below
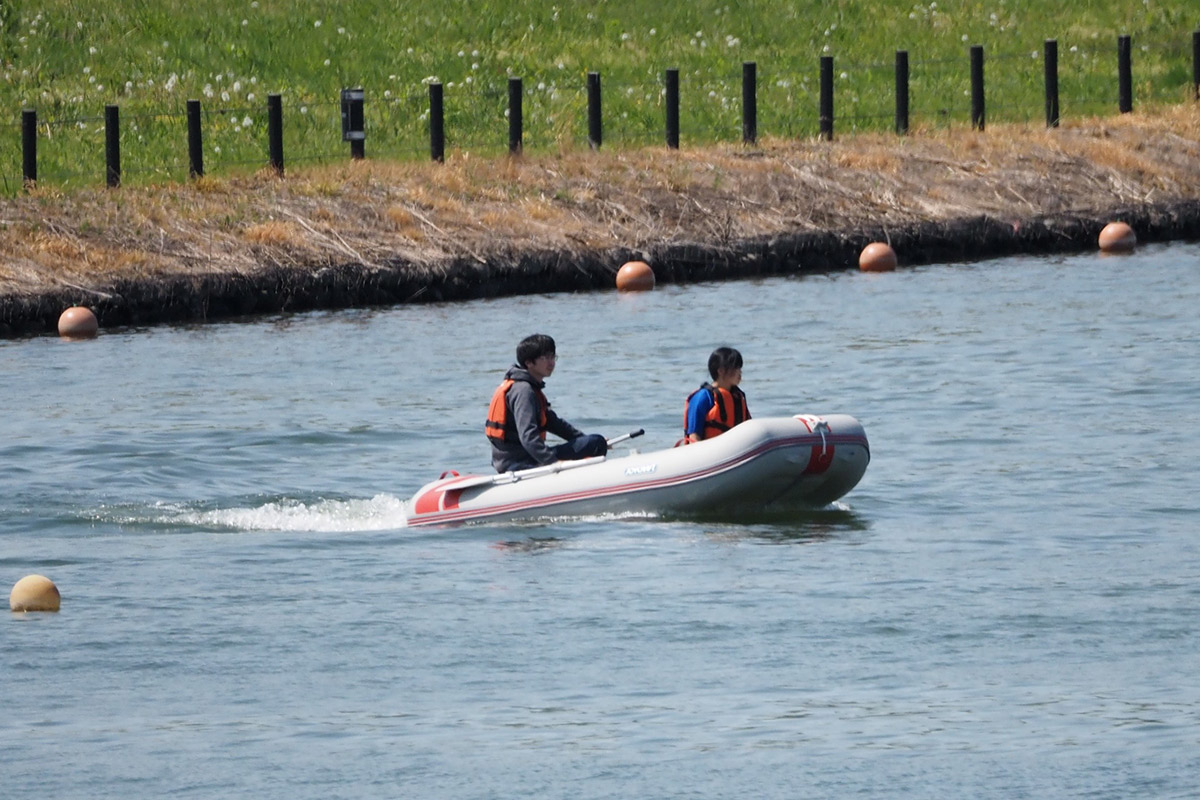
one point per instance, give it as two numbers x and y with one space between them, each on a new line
716 407
519 416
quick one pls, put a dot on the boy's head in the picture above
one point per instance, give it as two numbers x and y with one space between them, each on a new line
534 347
723 360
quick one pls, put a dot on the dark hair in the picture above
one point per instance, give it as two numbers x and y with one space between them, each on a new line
723 359
534 347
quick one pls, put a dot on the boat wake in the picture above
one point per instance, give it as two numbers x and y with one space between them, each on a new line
380 513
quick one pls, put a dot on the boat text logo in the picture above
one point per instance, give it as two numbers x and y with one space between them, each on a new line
644 469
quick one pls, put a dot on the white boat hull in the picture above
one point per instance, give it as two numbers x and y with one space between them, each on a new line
803 461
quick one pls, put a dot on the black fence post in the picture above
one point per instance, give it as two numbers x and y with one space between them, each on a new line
1124 74
112 145
1196 65
514 116
594 120
195 140
437 124
29 146
749 102
978 113
672 81
1051 63
826 112
275 132
902 92
353 122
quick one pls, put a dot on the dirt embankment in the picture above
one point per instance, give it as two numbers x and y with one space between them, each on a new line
373 233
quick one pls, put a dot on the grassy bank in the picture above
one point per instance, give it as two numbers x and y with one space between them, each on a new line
381 232
69 59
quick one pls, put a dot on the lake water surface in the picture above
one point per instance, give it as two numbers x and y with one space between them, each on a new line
1006 606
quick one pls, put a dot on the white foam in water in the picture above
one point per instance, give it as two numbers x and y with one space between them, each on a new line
381 512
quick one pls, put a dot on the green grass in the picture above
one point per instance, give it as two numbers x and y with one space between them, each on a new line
68 59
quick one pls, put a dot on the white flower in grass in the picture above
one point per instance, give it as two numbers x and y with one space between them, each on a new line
387 94
653 31
79 26
128 86
327 62
217 148
844 75
237 86
250 97
224 97
317 24
92 50
303 109
474 54
208 90
469 79
171 82
965 38
624 37
87 70
341 31
245 22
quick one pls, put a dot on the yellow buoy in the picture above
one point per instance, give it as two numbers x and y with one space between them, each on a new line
877 257
1117 237
77 322
34 593
635 276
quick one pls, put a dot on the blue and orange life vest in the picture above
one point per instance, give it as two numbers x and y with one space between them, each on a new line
728 409
499 422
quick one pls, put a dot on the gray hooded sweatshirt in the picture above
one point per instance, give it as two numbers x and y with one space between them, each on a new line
528 449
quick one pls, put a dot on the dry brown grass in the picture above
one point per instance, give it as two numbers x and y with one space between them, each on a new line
373 212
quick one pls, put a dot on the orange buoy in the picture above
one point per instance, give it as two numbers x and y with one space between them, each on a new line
635 276
77 322
877 257
1117 237
34 593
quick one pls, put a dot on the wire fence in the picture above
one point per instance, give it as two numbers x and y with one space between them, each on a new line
152 145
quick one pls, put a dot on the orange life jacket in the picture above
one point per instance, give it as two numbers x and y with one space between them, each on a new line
728 409
499 425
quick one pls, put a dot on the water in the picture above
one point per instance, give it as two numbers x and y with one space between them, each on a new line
1005 607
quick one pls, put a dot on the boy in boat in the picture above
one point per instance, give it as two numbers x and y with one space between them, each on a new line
519 416
716 407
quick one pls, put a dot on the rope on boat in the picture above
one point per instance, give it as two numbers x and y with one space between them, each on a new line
816 424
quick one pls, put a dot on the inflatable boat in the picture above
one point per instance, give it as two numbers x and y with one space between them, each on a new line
776 462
